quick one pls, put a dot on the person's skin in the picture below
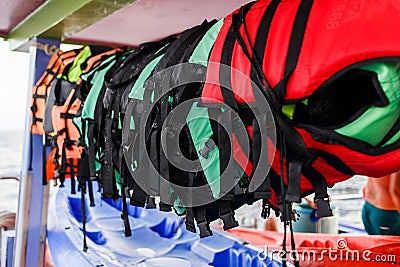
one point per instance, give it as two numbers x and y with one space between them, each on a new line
383 192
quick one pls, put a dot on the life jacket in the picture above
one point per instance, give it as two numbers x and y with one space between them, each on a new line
69 138
155 88
119 81
94 88
307 59
57 64
167 71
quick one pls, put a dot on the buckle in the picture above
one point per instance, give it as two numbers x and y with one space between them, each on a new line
266 211
190 227
323 207
289 214
208 146
204 228
34 108
151 203
132 202
229 220
165 207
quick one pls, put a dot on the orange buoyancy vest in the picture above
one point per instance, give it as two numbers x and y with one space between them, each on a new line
69 138
57 64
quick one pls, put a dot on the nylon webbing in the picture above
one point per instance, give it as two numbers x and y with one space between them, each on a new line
296 41
91 151
72 176
320 186
108 173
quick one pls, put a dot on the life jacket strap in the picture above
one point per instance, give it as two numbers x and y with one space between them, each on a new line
35 120
90 191
108 179
295 43
124 215
264 190
226 214
323 207
91 151
83 208
67 116
151 203
266 209
189 220
138 197
287 212
320 186
72 174
202 223
293 192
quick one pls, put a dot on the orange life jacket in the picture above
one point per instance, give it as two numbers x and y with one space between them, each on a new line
57 64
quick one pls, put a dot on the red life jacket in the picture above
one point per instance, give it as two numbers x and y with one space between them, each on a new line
294 50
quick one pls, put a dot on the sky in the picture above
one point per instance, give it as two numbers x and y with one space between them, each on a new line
14 74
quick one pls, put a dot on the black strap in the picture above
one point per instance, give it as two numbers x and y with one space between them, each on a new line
84 174
124 215
72 176
293 251
202 222
264 190
63 164
224 136
321 198
266 209
108 180
91 197
151 203
91 150
226 58
189 220
83 208
30 149
164 168
294 140
296 41
294 175
261 38
226 214
334 161
67 116
35 96
225 71
138 197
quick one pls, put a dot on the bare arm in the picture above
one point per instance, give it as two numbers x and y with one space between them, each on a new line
394 189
